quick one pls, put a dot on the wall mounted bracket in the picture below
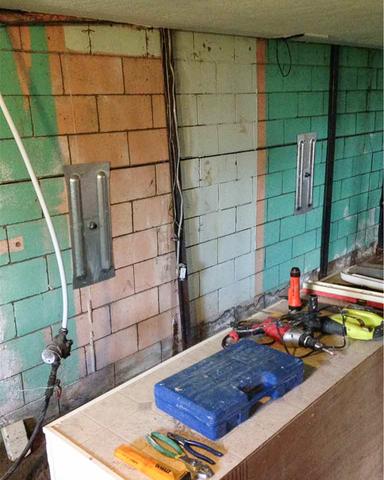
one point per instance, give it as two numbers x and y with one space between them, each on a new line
306 147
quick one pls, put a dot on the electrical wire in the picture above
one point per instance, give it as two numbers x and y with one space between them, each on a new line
44 208
284 73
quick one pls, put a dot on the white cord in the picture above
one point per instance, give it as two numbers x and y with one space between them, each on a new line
44 208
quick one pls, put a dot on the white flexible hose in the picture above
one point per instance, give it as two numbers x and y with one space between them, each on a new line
43 205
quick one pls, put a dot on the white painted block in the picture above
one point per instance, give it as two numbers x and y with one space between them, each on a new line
214 108
198 141
153 42
235 193
234 245
246 216
236 137
202 256
210 47
191 231
199 201
217 277
186 110
246 107
245 266
15 439
190 173
246 164
218 169
205 308
227 221
225 77
118 40
194 285
245 50
195 77
217 224
234 294
182 45
236 78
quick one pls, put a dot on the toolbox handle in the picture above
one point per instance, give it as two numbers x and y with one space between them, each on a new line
252 390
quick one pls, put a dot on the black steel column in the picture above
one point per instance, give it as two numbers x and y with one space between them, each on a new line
328 187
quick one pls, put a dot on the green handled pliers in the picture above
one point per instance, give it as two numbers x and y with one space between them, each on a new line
198 468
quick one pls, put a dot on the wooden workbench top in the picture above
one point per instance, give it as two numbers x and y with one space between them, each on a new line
89 435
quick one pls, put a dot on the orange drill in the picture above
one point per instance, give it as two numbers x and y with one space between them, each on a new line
294 300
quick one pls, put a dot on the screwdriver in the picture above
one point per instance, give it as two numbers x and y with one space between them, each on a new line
148 465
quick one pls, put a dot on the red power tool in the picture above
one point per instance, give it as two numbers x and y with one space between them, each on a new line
294 300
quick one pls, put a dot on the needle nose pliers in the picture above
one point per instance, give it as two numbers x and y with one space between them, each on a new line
189 444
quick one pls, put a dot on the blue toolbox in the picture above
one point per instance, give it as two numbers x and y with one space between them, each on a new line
218 393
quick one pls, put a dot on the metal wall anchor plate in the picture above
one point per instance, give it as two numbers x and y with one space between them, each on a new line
306 147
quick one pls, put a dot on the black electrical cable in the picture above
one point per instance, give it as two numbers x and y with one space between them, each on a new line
52 382
283 73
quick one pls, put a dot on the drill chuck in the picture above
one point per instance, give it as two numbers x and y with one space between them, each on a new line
297 338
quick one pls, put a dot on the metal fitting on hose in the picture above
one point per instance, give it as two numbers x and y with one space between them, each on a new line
59 349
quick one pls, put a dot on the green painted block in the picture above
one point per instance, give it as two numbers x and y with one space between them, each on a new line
362 220
40 75
375 100
295 126
278 50
346 124
298 80
54 192
318 194
53 271
376 141
22 353
273 79
377 161
278 253
361 164
289 181
365 122
42 310
356 145
366 78
357 57
312 260
374 198
311 104
379 121
338 248
44 115
371 235
351 242
319 174
320 79
274 132
281 159
343 56
347 78
341 101
271 232
273 184
340 209
285 268
11 394
379 79
313 219
356 101
44 152
375 58
9 84
18 203
292 226
320 151
313 54
347 226
282 105
20 280
358 203
36 238
339 148
320 126
7 323
270 279
280 207
333 232
19 109
304 243
4 255
5 42
354 185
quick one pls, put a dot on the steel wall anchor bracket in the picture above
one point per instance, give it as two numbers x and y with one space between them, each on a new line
90 222
306 147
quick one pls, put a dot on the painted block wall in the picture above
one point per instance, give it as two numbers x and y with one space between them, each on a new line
297 103
83 94
217 115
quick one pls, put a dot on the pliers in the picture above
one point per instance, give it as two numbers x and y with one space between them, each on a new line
198 469
188 444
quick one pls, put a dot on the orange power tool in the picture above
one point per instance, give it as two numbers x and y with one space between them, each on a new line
294 300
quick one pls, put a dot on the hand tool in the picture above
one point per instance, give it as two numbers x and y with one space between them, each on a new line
148 465
360 324
188 444
294 300
197 468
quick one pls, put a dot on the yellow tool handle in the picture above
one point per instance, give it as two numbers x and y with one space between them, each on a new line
148 465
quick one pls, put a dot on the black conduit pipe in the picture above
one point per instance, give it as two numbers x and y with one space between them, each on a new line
328 187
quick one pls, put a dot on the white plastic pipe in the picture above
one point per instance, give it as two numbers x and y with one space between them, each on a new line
43 205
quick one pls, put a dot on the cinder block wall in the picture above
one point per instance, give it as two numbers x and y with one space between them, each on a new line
83 94
217 114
